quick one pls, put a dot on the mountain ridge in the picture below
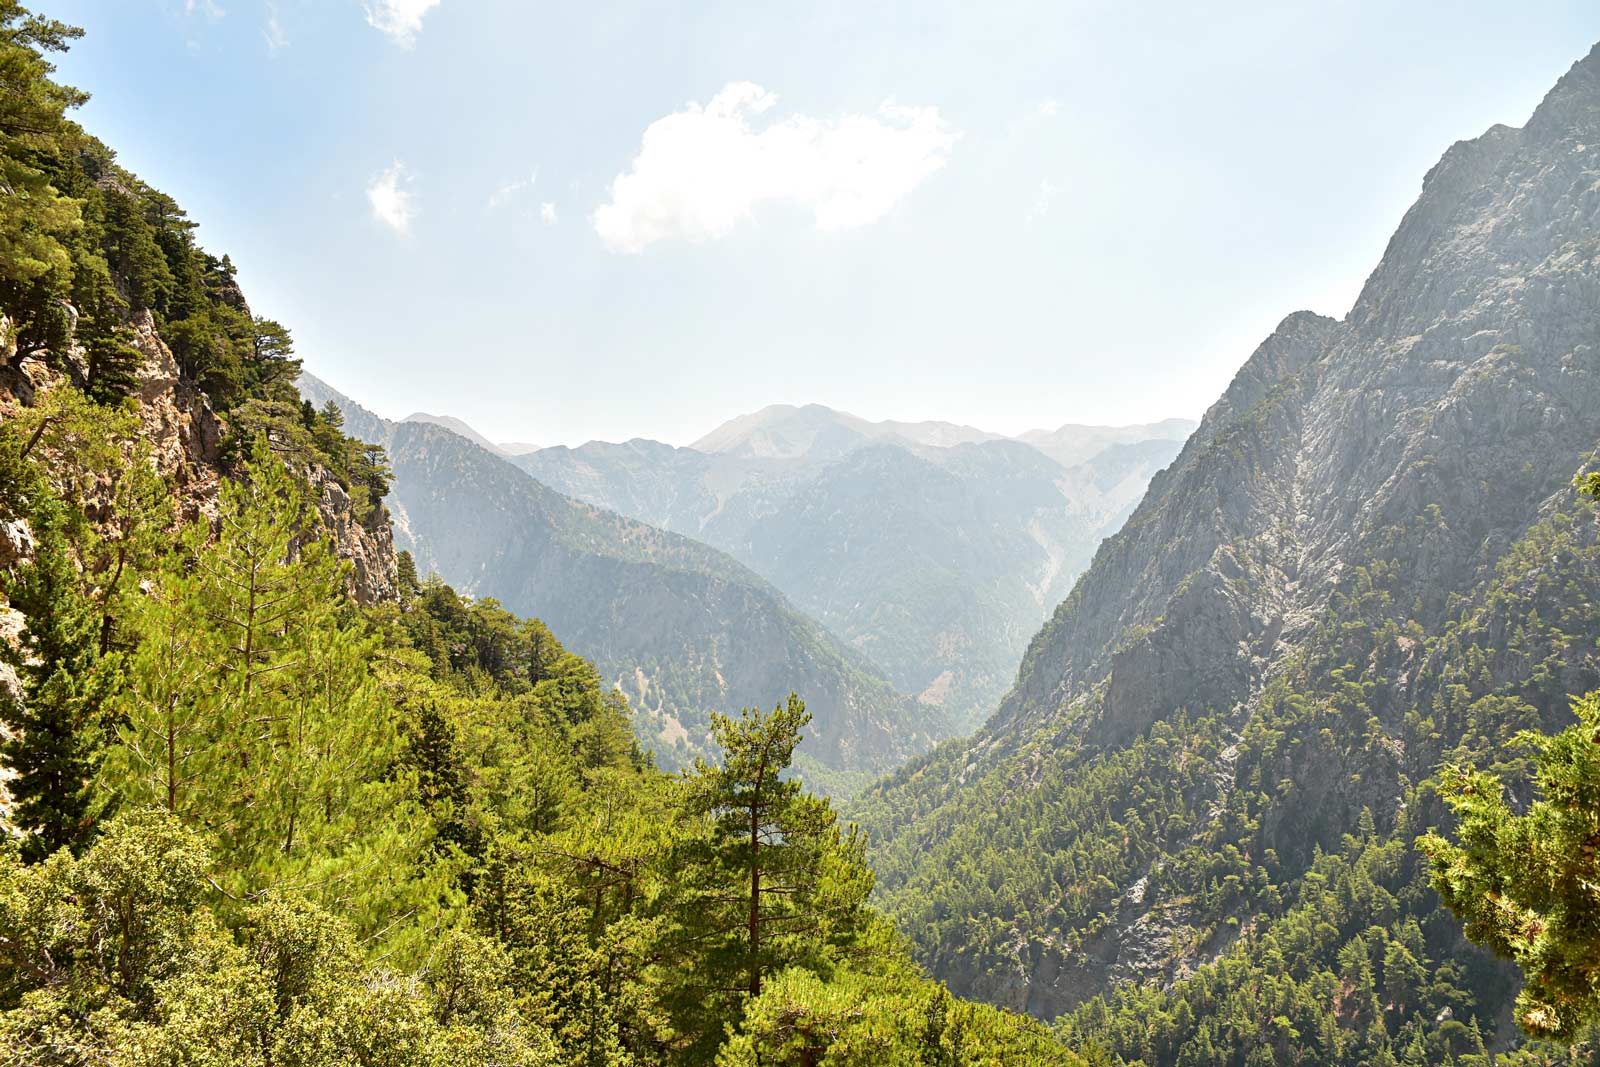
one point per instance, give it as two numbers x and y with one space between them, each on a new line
682 628
1314 605
938 562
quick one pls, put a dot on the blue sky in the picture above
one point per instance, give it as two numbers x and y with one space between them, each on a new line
573 221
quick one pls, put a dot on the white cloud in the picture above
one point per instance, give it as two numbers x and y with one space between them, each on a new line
514 195
1042 200
506 192
1048 108
400 19
390 198
274 33
702 170
208 8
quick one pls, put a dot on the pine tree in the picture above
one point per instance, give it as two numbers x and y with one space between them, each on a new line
129 541
406 583
168 713
34 217
1521 882
769 881
272 362
254 712
113 362
59 728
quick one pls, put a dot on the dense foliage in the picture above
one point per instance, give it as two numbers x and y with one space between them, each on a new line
1266 853
419 833
1525 882
256 822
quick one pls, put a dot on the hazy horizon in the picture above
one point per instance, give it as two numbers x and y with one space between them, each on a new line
423 414
599 224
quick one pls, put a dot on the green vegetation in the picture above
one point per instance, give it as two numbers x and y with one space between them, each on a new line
259 823
58 734
417 833
275 825
1267 856
1524 882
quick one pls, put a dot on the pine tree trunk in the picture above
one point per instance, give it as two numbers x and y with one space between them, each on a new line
755 895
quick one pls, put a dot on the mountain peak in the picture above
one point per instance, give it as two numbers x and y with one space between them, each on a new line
457 426
1573 105
1496 206
1074 443
784 431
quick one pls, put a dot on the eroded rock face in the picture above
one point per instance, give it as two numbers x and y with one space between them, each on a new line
10 695
1428 430
186 436
1466 376
184 433
16 542
369 546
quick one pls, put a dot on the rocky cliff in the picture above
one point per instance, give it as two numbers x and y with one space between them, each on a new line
186 435
1377 510
1466 378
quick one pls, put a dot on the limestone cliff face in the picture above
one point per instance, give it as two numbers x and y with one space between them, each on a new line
368 546
1422 436
186 435
1466 377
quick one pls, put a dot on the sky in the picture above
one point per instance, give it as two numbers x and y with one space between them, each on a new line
565 222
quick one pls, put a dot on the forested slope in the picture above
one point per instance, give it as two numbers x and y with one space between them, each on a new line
271 800
1368 559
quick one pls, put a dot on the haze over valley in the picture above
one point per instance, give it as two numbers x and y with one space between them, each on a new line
932 551
875 731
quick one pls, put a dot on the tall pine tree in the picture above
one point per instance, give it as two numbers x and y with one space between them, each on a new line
58 728
767 880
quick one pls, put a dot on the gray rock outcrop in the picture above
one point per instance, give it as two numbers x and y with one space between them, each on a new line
1420 438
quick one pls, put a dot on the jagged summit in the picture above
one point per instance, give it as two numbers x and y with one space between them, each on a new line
1469 355
1499 205
1572 107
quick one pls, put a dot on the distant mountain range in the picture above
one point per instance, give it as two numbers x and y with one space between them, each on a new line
456 426
682 628
783 431
933 548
